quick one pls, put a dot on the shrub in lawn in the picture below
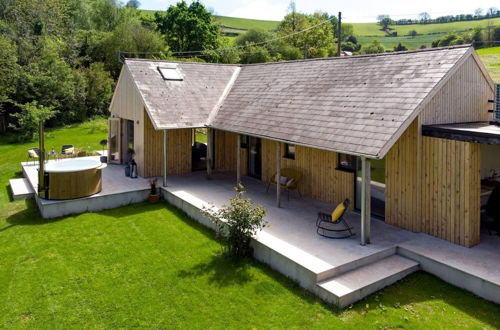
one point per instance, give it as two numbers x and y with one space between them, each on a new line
237 223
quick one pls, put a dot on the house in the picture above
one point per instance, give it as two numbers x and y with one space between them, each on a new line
406 136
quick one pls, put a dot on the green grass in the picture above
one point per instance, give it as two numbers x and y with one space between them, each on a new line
491 59
411 43
150 266
247 24
373 29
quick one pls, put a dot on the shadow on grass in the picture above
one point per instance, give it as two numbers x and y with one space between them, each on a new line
28 217
223 270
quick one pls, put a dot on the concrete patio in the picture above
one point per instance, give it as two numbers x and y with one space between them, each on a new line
341 271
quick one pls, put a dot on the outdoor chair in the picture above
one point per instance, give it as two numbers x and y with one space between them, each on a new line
334 225
289 180
33 154
490 216
67 150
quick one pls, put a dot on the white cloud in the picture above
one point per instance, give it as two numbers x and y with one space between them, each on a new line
261 9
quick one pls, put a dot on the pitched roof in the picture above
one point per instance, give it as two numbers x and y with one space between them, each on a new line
358 105
349 104
180 104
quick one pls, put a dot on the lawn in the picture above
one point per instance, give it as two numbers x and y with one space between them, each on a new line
150 266
491 59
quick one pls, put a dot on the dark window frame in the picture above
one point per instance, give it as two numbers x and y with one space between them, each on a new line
346 162
288 153
244 141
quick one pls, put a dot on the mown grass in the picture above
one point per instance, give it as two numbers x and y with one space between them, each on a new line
150 266
491 59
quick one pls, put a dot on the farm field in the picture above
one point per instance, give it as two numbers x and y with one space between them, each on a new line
409 42
491 59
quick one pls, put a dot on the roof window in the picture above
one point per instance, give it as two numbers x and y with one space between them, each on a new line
170 72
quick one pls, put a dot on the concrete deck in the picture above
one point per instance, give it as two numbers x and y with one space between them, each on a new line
342 271
117 190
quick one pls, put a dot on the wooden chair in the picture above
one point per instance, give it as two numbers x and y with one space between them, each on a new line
33 153
329 225
290 179
67 150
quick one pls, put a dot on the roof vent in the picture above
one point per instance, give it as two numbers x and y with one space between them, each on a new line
170 72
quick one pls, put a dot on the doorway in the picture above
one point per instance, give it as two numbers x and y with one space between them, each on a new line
199 149
377 187
114 141
254 158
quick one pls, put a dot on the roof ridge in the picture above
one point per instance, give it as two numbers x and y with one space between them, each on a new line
310 59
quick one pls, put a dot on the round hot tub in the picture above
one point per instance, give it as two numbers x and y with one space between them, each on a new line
73 178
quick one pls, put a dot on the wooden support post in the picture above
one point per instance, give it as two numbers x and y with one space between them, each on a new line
41 161
339 34
365 200
238 159
165 157
278 174
210 152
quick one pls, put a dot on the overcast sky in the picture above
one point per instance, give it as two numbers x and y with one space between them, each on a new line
352 11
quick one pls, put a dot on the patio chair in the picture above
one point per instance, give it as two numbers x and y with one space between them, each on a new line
491 214
334 225
289 180
67 150
33 153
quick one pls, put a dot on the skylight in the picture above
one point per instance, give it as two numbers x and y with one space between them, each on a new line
170 72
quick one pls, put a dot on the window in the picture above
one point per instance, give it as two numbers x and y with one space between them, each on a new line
170 72
289 151
346 163
244 141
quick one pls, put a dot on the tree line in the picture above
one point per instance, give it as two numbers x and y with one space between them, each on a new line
425 18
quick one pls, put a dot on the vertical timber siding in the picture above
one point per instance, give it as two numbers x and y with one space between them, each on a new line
451 187
402 181
464 98
179 151
127 102
320 179
225 152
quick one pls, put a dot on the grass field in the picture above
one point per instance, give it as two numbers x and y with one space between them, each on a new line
409 42
491 59
150 266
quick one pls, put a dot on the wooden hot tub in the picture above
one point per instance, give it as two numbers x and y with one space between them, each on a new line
73 178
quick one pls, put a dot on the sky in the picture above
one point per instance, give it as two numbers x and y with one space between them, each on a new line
352 11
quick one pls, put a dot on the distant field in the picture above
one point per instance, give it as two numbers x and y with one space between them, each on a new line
409 42
373 29
246 24
491 59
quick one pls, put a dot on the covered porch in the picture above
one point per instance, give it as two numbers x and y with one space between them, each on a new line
340 270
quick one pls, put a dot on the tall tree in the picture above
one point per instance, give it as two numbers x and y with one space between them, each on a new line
188 28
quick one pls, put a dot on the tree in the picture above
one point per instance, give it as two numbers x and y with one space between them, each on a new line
400 48
133 4
252 36
384 22
188 28
492 11
424 17
99 90
412 33
374 48
28 118
478 12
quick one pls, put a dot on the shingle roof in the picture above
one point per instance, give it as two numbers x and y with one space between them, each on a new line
350 104
355 105
181 104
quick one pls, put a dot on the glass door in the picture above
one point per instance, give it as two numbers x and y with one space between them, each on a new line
377 187
114 141
254 158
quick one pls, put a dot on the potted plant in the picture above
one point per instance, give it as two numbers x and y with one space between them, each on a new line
154 194
103 143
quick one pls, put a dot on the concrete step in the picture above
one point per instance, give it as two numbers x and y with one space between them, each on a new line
354 285
355 263
21 188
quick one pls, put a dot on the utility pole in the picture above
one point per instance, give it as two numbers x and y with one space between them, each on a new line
339 36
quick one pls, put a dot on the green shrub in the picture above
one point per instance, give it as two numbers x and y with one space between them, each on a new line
237 223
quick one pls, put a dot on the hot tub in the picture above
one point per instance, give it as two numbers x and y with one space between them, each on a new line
73 178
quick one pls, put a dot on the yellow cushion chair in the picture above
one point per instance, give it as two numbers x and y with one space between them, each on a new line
334 225
289 180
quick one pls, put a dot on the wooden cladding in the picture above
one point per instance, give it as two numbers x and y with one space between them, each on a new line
178 148
127 102
433 186
464 98
402 202
451 187
225 152
70 185
320 179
